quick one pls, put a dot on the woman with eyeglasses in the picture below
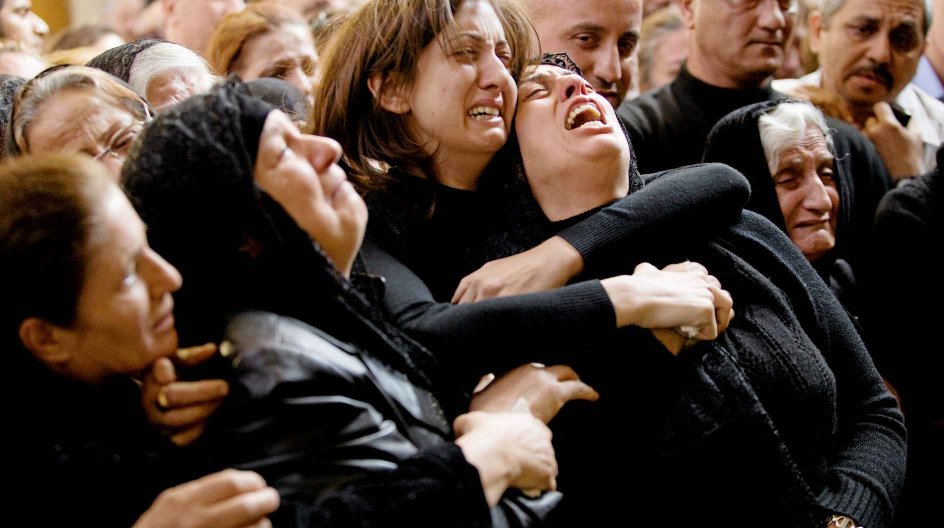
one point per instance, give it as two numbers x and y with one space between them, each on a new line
76 109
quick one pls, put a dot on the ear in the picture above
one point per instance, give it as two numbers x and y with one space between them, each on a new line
46 341
687 7
390 99
815 22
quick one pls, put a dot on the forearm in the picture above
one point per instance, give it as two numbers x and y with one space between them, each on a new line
496 334
677 205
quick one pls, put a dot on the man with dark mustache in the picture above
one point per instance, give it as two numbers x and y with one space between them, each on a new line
869 51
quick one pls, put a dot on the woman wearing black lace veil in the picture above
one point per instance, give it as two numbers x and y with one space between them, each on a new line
783 418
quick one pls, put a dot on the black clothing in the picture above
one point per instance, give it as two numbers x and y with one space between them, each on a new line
668 126
313 413
423 258
85 454
783 417
903 288
736 141
344 439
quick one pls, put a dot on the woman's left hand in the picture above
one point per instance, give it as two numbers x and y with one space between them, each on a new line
545 267
180 409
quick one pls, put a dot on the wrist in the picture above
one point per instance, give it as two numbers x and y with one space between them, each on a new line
568 258
495 470
625 303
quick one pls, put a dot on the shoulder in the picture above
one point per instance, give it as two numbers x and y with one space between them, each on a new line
649 111
268 349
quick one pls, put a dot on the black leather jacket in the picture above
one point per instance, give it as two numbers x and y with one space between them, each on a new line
345 438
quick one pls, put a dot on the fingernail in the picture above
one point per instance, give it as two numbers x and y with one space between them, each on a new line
162 402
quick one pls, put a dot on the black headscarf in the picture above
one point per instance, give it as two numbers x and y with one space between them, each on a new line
191 179
119 60
735 141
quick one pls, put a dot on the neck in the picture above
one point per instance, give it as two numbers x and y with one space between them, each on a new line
935 55
702 68
461 171
582 190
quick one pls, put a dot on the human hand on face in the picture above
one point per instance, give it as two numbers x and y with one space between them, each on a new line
509 449
545 267
902 150
299 171
544 389
680 297
180 409
227 499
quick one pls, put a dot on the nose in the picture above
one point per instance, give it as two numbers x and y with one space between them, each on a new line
607 65
493 74
879 50
816 198
162 277
570 86
39 25
322 152
770 16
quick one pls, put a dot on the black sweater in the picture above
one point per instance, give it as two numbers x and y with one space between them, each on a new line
423 258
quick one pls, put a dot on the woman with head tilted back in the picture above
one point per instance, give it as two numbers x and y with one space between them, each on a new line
783 417
86 307
421 99
344 415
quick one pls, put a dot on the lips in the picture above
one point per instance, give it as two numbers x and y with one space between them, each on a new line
165 321
486 110
584 111
812 223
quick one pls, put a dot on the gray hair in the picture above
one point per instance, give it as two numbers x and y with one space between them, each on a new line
163 57
47 84
785 126
828 8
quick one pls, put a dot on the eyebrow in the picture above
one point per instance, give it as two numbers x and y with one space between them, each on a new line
588 26
477 37
542 76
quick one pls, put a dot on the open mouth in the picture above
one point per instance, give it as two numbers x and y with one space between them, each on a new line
584 114
482 113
